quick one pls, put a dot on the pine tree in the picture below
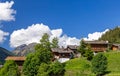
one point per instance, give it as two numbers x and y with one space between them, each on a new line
89 53
55 43
99 64
82 48
42 55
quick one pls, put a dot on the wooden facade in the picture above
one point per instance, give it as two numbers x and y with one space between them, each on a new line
74 49
98 46
115 47
18 60
62 53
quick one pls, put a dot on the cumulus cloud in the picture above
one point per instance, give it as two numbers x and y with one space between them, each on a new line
95 35
34 33
65 40
3 35
6 12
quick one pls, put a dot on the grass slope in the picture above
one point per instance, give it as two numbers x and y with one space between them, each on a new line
82 67
113 63
78 67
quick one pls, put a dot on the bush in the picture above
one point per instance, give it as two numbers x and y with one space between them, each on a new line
89 53
10 68
43 70
56 69
30 66
99 64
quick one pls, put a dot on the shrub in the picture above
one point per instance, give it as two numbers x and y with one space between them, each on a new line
10 68
99 64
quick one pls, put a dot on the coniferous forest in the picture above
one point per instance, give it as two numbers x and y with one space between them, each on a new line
113 35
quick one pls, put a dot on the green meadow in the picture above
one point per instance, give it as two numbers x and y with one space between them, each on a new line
113 63
82 67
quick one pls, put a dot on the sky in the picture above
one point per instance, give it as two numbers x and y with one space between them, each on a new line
25 21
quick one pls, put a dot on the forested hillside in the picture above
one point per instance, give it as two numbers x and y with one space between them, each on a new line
3 54
113 35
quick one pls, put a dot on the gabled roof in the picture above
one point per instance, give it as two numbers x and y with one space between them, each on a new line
116 44
96 42
16 58
61 50
72 46
57 49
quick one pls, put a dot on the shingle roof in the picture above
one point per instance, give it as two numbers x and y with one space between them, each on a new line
61 50
96 42
72 46
16 58
116 44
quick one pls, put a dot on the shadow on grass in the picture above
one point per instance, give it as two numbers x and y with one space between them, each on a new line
107 72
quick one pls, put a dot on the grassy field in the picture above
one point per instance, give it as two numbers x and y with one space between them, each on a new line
113 63
78 67
82 67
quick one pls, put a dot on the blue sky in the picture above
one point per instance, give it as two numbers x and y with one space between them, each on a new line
76 18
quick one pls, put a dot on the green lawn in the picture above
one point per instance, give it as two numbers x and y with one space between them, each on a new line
82 67
113 63
78 67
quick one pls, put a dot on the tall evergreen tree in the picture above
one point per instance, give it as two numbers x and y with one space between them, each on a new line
44 43
85 50
42 55
55 43
99 64
82 48
89 53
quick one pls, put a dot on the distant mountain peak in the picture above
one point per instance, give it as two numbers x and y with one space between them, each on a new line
24 49
21 47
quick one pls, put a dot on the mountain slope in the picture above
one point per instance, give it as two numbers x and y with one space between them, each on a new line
4 53
113 35
24 49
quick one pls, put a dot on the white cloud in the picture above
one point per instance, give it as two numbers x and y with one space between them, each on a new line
34 33
95 35
65 40
57 32
3 35
6 13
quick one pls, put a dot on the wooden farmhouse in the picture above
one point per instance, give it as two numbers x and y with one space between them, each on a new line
65 53
74 49
19 60
98 46
115 47
61 53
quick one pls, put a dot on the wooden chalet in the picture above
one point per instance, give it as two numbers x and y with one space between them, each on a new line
74 49
62 53
19 60
115 47
98 46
